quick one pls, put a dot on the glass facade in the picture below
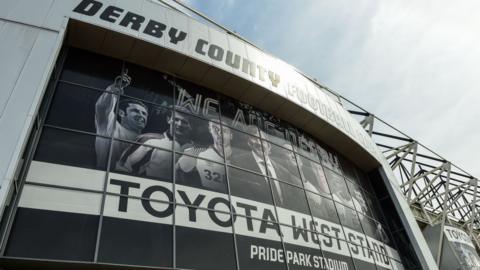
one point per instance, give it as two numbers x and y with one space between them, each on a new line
137 167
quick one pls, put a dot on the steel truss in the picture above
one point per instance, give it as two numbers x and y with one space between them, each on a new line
437 191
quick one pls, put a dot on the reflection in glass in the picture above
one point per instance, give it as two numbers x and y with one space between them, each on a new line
313 176
283 164
247 151
339 188
142 160
250 186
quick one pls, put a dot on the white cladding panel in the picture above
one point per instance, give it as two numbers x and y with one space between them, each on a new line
28 54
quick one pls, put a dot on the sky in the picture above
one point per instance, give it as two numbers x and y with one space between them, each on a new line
414 64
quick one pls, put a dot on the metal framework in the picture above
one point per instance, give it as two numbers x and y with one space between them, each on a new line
437 191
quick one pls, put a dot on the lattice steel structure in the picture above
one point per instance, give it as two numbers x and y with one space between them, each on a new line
437 190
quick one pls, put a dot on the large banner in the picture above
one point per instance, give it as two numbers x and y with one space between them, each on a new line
311 242
140 167
463 248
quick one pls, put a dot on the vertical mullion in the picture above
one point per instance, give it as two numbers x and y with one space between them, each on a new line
107 173
227 178
273 198
174 181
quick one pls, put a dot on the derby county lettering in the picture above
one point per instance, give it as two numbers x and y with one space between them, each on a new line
235 61
117 15
129 19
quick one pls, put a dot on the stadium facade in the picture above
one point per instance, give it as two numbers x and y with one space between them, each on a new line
136 137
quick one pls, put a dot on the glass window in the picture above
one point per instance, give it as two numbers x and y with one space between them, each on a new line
313 176
74 107
134 187
339 188
201 173
206 138
374 207
196 246
71 148
277 131
136 119
322 208
147 126
196 100
240 116
148 85
309 249
79 68
349 170
49 227
364 181
337 251
143 160
374 229
329 159
281 164
348 217
134 242
247 152
363 265
249 186
252 251
289 197
358 198
306 146
192 133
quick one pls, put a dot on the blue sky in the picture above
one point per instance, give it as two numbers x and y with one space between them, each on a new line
414 64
